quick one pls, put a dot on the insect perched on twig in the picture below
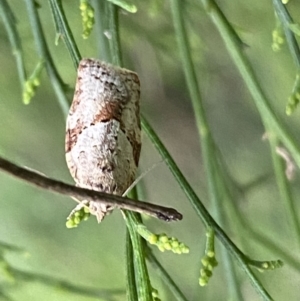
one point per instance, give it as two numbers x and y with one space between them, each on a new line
103 136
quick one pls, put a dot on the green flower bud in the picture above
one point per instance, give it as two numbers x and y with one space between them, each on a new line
214 262
185 250
77 214
77 220
83 5
205 260
161 248
152 239
86 217
175 244
36 82
167 246
154 293
163 238
203 281
70 224
205 273
265 265
87 16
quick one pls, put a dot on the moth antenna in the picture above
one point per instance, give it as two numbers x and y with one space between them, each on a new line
142 175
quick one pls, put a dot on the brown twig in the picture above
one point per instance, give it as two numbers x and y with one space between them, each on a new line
34 178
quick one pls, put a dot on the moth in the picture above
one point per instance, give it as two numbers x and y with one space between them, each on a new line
103 133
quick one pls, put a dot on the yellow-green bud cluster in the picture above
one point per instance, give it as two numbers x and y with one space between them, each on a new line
31 84
292 104
88 18
77 217
294 98
29 89
278 39
274 264
266 265
209 261
163 242
155 295
285 1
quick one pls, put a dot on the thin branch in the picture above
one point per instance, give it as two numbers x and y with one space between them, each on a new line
114 42
101 21
107 294
44 53
9 22
246 70
62 27
164 213
200 209
166 278
215 181
286 21
131 287
144 289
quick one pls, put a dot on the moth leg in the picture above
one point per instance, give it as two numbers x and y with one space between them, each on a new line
99 209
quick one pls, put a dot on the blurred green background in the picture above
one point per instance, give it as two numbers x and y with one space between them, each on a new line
93 255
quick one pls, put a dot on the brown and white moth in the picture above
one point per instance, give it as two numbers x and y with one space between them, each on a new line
103 135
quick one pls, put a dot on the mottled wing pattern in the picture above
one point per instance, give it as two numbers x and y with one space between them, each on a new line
103 136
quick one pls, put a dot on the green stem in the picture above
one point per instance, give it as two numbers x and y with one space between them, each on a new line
44 53
183 183
14 38
130 275
214 178
201 210
144 288
114 41
284 190
262 239
251 235
246 71
286 20
63 26
163 274
101 8
64 285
